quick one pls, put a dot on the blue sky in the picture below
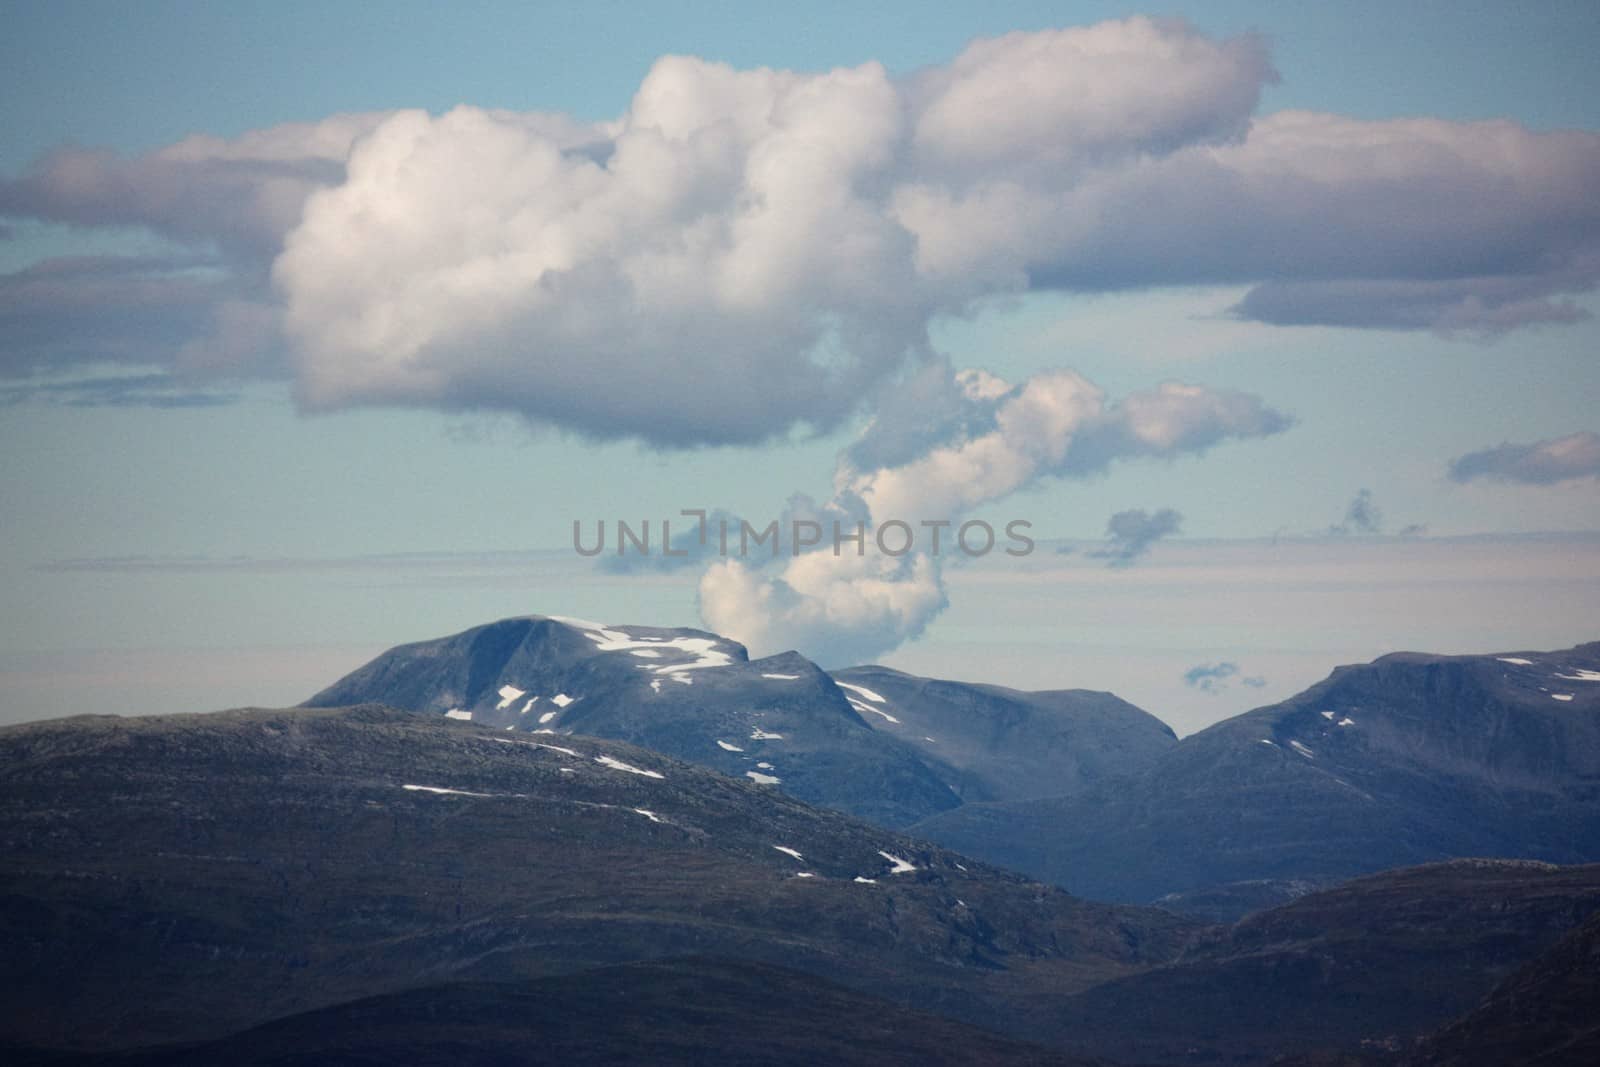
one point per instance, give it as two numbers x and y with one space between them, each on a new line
143 519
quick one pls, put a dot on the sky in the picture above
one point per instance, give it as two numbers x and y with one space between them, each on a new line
321 325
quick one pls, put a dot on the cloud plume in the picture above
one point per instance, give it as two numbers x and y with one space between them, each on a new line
996 439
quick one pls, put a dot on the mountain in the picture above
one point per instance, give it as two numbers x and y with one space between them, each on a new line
878 744
1406 760
694 695
1372 965
679 1011
180 879
987 742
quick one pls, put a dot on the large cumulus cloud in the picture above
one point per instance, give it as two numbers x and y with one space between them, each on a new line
742 254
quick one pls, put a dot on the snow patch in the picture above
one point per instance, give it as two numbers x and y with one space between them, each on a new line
862 690
1303 750
765 766
457 713
536 744
865 881
1328 715
1264 741
450 792
529 705
758 734
728 748
1517 661
655 685
806 874
783 677
900 866
645 653
561 700
509 694
652 816
859 706
787 851
1560 696
618 765
582 624
1347 721
762 779
704 651
1583 675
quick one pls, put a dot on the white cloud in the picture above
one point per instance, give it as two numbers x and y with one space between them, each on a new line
836 609
746 253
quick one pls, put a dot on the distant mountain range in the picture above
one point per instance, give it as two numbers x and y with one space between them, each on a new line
1409 759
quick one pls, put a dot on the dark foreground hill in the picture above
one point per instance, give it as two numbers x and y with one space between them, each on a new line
875 743
680 1011
1409 759
183 878
1370 966
1547 1014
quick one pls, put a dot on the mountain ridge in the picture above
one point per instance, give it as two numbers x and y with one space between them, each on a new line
1409 759
826 738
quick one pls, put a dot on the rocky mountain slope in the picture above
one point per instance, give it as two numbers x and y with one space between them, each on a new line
1409 759
179 879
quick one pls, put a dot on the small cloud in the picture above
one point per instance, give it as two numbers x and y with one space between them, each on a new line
1361 516
1211 677
1559 459
1131 533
